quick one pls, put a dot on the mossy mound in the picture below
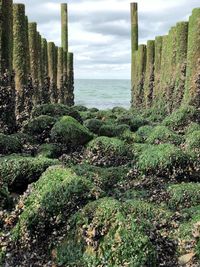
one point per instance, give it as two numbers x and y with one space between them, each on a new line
105 151
55 196
180 118
106 116
80 108
17 172
9 144
192 128
184 195
39 127
161 134
103 235
104 178
93 125
135 122
193 141
164 160
51 151
111 130
143 133
56 110
70 132
24 138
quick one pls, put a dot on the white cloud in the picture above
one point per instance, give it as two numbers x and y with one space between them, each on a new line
99 30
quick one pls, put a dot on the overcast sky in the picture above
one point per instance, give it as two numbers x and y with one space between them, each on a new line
99 30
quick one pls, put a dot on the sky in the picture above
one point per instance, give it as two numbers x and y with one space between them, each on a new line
99 30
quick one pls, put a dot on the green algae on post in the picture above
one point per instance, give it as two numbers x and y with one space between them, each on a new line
60 76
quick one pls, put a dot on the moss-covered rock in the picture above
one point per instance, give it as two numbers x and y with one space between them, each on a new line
164 160
80 108
144 132
70 132
111 130
9 144
102 235
193 141
49 151
180 118
39 127
192 127
56 110
105 151
162 134
104 178
135 122
16 172
93 125
184 195
55 196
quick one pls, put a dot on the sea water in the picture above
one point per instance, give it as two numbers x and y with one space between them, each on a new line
103 94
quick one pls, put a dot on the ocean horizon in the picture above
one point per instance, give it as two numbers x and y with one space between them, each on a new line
102 93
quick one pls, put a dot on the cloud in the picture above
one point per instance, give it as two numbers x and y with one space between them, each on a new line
99 31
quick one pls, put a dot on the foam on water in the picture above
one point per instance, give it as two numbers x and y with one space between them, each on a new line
103 94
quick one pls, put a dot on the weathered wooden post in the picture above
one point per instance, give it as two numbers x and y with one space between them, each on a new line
60 76
70 75
7 88
45 97
20 57
140 75
134 45
33 51
68 83
52 71
192 87
149 75
181 62
157 67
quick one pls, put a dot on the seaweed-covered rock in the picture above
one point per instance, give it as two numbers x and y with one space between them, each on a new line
9 144
70 132
184 195
180 118
193 141
162 134
103 235
104 178
192 127
164 160
144 132
111 130
49 151
80 108
105 151
135 122
93 125
55 196
56 110
16 172
39 127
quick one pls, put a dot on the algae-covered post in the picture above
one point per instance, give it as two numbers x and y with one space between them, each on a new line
70 75
33 51
45 98
7 90
149 76
134 44
157 67
40 63
192 87
19 56
51 71
140 75
181 63
60 76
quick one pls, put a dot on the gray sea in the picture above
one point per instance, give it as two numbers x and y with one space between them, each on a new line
103 94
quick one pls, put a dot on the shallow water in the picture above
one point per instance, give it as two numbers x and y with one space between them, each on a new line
103 94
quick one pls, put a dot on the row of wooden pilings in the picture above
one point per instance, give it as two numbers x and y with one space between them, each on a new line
166 71
32 70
